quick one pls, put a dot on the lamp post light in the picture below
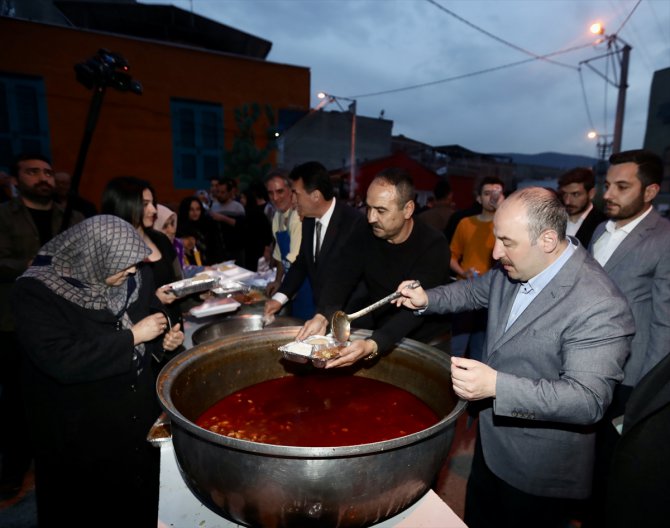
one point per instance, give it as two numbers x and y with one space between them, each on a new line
615 46
330 98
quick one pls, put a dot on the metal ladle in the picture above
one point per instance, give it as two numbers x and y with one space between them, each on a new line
340 324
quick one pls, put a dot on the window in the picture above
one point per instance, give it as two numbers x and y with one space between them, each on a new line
24 125
197 143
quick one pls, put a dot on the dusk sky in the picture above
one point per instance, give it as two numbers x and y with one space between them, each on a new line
359 48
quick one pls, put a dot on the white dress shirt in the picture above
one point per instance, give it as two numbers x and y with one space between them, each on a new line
606 245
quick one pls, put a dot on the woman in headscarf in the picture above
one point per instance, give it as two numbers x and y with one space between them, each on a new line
166 223
89 323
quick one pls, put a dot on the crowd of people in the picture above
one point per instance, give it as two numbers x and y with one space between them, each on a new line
556 313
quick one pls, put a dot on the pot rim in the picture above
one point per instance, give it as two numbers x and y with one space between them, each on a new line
180 362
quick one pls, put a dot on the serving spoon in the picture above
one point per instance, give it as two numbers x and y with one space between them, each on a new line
340 323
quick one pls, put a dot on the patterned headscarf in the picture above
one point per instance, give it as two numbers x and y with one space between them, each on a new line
75 264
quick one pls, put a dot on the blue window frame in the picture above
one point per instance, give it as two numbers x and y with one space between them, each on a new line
24 126
197 142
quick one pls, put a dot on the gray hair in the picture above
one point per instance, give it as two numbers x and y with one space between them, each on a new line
544 210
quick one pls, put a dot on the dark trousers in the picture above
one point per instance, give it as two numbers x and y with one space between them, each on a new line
15 445
606 439
492 503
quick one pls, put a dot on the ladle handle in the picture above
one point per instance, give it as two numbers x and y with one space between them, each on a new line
381 302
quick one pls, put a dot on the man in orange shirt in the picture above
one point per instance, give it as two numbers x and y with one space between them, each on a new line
471 255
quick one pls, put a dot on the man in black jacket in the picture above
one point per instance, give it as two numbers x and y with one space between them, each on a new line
577 189
328 224
396 248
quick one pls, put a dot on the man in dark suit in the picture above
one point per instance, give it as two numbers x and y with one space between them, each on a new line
558 335
638 485
577 189
327 226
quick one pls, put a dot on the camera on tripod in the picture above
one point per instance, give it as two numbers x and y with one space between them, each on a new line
107 69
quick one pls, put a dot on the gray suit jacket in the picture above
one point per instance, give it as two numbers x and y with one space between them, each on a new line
640 267
557 366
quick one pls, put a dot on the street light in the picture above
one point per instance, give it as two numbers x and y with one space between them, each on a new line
605 147
620 48
327 98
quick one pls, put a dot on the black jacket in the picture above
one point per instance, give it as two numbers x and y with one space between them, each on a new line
585 231
344 222
639 480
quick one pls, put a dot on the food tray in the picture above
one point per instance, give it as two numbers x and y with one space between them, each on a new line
197 284
230 287
317 349
215 306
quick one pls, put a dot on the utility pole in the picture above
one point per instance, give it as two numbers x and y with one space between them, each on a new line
621 99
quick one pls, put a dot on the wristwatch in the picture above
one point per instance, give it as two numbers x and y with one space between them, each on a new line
375 351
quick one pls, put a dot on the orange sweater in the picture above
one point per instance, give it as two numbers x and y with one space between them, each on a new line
472 244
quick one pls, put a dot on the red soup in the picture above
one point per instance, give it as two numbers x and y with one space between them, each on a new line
318 411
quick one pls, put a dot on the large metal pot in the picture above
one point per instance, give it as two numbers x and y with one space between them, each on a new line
272 486
235 324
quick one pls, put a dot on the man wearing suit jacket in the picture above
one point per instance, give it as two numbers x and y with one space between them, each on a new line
558 335
577 189
335 223
633 248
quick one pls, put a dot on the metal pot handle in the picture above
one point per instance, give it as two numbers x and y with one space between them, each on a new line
161 431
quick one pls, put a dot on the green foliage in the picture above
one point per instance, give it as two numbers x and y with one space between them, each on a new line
246 160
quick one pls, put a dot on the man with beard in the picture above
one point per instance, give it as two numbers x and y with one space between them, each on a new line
577 189
558 335
395 248
633 248
27 222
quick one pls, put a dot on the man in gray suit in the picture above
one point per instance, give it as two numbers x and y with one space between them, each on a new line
558 335
634 248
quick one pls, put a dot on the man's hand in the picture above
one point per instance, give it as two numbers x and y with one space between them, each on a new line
413 298
359 349
271 308
317 325
272 288
472 380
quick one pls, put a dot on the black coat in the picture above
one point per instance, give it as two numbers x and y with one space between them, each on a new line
639 480
344 222
585 231
88 409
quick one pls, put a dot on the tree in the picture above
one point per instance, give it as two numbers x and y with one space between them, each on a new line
246 161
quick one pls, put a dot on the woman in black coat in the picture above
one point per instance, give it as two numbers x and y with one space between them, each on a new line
89 324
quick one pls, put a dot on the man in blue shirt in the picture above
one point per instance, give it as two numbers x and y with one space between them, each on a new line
558 334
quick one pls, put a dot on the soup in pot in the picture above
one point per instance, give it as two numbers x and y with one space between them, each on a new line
319 411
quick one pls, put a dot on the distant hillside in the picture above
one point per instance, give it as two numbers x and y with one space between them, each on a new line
552 159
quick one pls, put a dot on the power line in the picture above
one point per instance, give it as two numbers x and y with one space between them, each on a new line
471 74
627 18
502 41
